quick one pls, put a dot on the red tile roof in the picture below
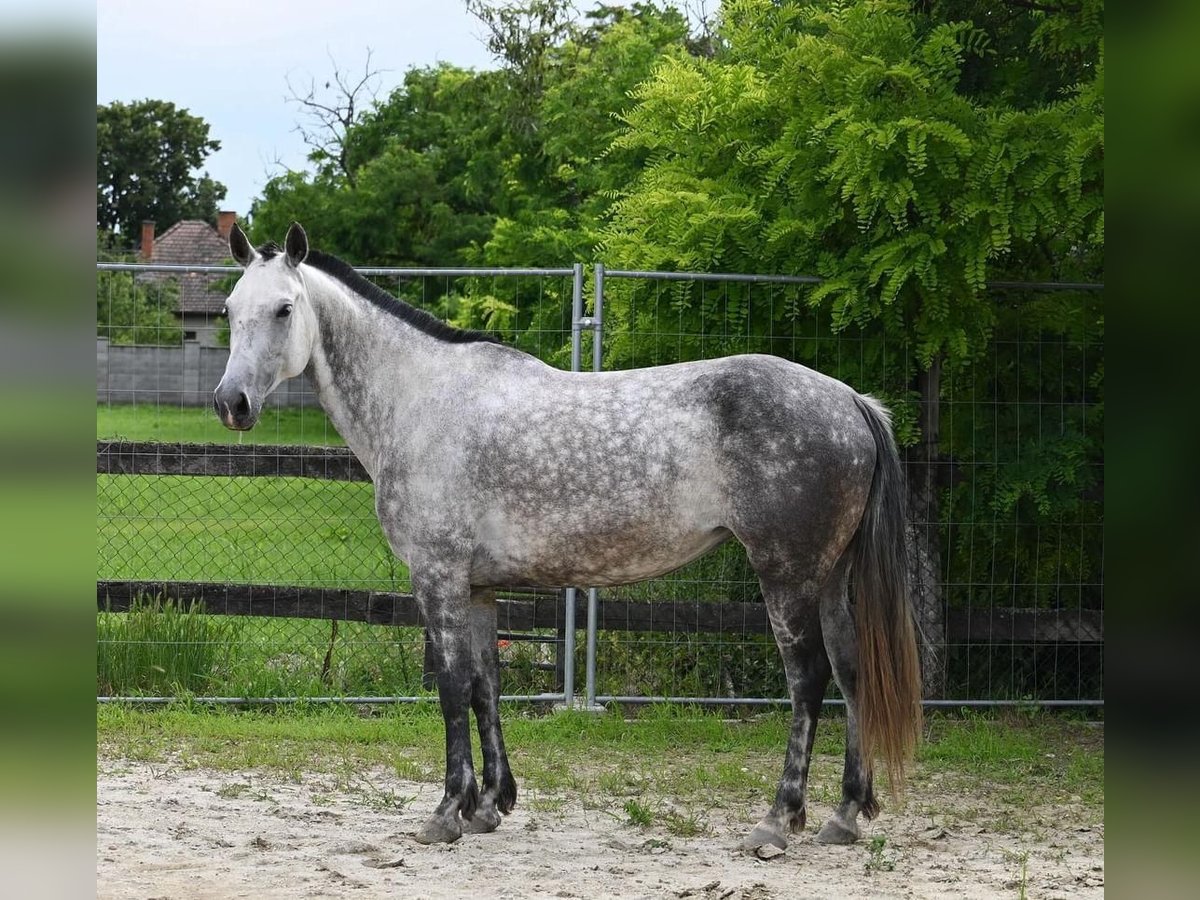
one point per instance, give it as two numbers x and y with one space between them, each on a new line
192 242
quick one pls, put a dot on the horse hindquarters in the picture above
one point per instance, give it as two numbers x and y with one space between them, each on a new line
872 650
847 524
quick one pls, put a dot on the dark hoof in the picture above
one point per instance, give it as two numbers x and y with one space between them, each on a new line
764 835
485 820
440 831
836 832
506 794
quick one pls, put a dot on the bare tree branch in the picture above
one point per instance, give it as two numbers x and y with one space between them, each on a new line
703 41
330 116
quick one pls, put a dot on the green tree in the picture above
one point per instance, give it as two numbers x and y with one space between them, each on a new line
129 311
834 139
906 157
562 186
413 185
506 167
147 156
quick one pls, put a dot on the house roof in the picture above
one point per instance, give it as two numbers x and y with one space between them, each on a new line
192 242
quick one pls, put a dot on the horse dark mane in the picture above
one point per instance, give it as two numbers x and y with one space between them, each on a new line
417 318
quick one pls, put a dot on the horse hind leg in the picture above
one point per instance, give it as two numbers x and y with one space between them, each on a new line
795 619
857 791
499 788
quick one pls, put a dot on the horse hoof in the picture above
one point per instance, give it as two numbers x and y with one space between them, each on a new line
438 831
763 836
483 822
835 832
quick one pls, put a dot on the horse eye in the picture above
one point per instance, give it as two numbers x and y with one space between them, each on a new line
284 311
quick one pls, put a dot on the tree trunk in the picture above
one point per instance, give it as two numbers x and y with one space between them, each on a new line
924 552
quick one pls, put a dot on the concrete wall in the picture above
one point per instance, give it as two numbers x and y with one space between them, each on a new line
176 376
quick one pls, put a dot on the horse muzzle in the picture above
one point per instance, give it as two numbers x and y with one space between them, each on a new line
234 408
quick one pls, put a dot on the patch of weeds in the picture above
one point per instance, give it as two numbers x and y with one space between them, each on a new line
409 770
232 791
380 799
718 780
1021 882
877 859
620 783
685 826
160 647
546 804
638 813
826 791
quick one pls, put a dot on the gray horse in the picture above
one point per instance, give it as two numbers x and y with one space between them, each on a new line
480 484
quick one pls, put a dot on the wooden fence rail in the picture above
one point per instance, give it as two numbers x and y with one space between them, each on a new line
153 458
530 610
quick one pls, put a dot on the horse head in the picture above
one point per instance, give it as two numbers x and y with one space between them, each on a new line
272 326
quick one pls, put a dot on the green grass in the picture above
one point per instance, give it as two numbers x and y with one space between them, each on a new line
142 654
160 648
1013 761
161 651
638 813
654 770
197 424
877 859
265 530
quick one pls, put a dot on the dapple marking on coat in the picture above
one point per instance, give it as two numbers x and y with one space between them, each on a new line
481 482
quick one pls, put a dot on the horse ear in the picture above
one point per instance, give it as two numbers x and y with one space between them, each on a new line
296 245
239 247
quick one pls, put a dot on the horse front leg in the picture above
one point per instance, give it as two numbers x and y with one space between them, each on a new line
499 788
445 606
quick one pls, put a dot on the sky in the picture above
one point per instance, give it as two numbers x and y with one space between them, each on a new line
228 62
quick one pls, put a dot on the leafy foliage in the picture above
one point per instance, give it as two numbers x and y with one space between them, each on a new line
834 139
417 191
129 311
146 156
507 167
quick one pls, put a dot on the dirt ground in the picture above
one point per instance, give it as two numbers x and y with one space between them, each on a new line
165 831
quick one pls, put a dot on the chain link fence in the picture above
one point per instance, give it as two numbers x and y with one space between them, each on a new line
280 586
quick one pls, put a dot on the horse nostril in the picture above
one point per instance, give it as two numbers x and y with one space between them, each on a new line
243 405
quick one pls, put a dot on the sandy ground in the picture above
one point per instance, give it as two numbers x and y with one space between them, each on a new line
165 831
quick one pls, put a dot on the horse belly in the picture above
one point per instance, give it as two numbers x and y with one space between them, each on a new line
596 554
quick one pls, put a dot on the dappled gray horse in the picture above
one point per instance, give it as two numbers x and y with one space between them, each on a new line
481 482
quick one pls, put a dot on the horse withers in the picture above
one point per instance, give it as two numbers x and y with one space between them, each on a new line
480 484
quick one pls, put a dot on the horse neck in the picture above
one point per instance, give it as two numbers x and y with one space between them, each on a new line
363 365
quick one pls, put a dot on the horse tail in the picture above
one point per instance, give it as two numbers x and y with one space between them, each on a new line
889 670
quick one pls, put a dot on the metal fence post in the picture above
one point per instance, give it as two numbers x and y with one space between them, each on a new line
568 648
593 594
